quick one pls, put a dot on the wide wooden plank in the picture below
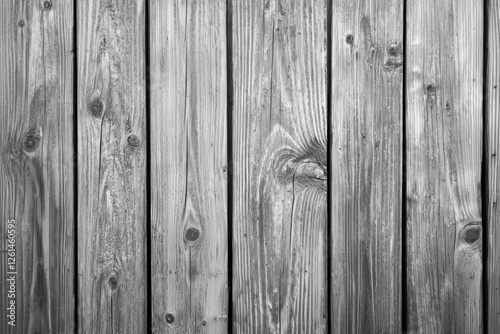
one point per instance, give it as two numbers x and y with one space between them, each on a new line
111 167
37 166
189 172
279 129
493 147
444 151
366 166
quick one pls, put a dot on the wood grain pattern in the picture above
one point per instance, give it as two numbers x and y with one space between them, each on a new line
444 150
111 167
366 160
493 148
280 166
189 166
37 162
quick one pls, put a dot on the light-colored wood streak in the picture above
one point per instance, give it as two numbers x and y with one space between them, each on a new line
366 166
36 164
493 147
280 166
189 166
111 166
444 152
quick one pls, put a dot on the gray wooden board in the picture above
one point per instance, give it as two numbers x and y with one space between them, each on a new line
493 146
279 60
36 165
366 166
112 287
189 166
444 150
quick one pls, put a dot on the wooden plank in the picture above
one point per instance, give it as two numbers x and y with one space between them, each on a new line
111 167
493 146
189 166
444 152
36 165
280 166
366 166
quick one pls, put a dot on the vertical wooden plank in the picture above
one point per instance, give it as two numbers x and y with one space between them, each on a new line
36 166
280 166
111 166
188 166
366 160
493 145
444 152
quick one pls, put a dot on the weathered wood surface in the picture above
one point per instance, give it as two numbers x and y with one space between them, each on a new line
189 170
444 151
111 176
493 150
366 166
36 166
279 59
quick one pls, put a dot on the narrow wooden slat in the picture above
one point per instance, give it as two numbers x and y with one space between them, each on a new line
189 166
36 164
444 152
366 160
493 145
280 166
111 167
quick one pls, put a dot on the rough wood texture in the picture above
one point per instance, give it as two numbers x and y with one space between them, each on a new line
366 166
36 166
444 150
493 145
280 173
188 166
111 167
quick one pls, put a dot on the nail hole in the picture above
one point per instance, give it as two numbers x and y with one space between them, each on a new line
169 317
192 234
204 323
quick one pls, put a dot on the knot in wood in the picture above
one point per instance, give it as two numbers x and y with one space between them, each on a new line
21 23
471 233
133 140
192 234
169 317
96 107
430 89
31 141
47 5
113 283
393 50
349 39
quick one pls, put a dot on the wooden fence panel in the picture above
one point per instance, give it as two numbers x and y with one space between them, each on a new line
189 166
493 149
36 167
111 118
366 160
444 149
280 166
